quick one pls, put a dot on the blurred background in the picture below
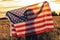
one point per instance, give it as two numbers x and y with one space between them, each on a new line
6 5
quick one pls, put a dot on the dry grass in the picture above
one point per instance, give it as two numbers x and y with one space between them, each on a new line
5 31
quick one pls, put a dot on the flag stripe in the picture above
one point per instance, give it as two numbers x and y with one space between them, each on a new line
45 10
37 24
30 20
13 31
13 34
35 11
40 7
41 31
34 17
37 29
38 32
35 6
44 30
21 30
40 19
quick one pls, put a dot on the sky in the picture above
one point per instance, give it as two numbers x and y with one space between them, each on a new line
6 5
54 4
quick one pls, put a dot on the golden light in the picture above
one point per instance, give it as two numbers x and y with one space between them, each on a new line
6 5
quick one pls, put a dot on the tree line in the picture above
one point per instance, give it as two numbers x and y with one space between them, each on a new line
55 14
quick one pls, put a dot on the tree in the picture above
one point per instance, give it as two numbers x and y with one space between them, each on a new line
59 13
54 13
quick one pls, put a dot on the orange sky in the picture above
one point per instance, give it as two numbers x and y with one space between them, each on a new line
9 5
54 4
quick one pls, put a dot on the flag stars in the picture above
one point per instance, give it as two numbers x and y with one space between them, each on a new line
24 16
16 20
18 12
22 20
21 14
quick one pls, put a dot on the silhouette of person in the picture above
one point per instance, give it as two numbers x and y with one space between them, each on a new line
30 31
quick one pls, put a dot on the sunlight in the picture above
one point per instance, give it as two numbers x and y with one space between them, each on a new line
14 4
21 3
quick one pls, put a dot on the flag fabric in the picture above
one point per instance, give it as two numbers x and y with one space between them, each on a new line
13 31
31 20
13 19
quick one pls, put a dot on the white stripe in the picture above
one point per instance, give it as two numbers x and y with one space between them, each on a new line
46 22
45 8
37 9
41 14
12 27
38 29
45 13
13 32
35 25
52 26
21 33
43 18
40 19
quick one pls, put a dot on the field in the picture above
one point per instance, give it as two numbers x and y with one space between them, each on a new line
54 35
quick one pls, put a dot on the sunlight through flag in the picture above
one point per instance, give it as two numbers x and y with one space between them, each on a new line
31 20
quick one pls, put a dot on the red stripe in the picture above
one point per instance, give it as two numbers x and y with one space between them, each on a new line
50 29
35 6
41 31
37 18
41 26
13 29
18 26
14 34
21 35
38 32
45 30
41 16
46 10
43 21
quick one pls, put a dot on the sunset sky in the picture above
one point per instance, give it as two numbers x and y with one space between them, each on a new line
54 4
6 5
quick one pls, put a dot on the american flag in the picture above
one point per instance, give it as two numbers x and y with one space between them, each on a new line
31 20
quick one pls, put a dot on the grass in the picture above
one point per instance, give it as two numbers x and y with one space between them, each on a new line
54 35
